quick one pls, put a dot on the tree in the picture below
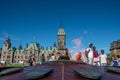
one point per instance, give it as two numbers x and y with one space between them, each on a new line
112 56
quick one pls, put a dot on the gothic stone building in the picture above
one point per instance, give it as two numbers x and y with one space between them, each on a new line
115 47
15 55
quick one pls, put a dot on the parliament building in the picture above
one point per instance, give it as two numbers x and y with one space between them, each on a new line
15 55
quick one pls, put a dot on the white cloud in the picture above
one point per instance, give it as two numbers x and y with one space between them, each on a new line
77 41
78 46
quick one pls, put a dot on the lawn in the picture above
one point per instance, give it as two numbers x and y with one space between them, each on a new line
15 65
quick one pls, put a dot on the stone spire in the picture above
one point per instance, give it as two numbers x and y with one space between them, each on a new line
20 47
54 45
7 42
61 31
61 38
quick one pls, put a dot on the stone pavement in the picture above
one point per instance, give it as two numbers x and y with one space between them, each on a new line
62 71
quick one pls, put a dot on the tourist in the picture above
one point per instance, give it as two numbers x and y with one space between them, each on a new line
89 54
57 56
118 56
79 56
66 57
103 58
61 57
115 62
52 57
84 59
42 58
49 57
95 56
30 61
34 62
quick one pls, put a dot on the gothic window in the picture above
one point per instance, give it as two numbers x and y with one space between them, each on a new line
30 52
3 56
8 56
15 57
4 52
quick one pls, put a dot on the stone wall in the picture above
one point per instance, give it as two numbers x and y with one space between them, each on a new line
115 47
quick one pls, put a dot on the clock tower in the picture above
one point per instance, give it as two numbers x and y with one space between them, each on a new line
61 40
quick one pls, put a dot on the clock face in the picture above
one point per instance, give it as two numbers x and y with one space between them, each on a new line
60 42
6 45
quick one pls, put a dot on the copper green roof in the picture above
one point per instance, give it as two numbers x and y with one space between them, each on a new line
32 46
44 51
19 51
54 49
10 50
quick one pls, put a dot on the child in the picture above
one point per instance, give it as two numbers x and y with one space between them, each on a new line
103 58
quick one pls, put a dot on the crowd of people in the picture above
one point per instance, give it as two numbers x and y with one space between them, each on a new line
51 57
92 57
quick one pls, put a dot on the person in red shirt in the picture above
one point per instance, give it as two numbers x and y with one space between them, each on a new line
79 56
95 56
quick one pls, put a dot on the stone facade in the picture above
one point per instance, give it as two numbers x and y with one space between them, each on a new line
15 55
7 51
12 55
115 47
62 41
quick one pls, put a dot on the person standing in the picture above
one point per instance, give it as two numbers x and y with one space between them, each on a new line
52 57
34 62
95 56
30 61
103 58
115 63
79 56
66 57
42 58
89 54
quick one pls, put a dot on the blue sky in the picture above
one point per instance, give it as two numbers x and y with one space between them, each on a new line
84 21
